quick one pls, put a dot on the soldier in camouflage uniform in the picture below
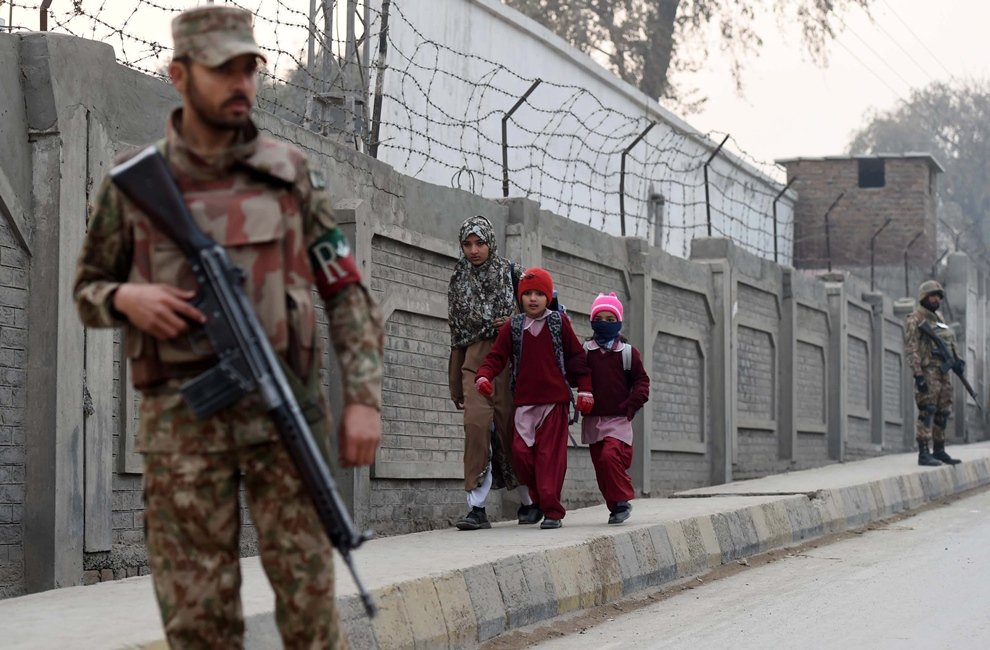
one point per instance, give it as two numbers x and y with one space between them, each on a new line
260 199
932 386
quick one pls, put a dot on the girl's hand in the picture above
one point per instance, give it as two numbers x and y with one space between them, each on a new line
500 321
484 386
584 402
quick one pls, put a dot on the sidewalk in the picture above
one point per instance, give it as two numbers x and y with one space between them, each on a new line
448 588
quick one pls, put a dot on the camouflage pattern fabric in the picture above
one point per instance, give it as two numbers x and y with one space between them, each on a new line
191 526
260 200
212 35
918 350
935 405
234 199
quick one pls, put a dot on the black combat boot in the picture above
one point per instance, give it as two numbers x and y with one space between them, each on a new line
925 457
940 454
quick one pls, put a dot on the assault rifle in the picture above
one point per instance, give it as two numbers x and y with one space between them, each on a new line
246 361
949 359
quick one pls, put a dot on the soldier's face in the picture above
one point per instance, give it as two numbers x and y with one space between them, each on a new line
933 300
221 97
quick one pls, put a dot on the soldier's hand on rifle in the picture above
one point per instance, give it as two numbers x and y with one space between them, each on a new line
158 309
360 433
960 366
920 383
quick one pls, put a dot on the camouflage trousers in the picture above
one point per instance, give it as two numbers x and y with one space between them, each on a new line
934 406
192 521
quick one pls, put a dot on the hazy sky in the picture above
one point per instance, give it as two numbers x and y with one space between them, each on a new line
790 107
794 108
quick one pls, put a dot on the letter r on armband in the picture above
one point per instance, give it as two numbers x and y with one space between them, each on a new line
333 264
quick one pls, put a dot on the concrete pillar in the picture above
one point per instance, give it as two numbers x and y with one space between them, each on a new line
787 370
638 325
523 233
902 308
722 365
876 301
837 363
959 276
54 510
355 220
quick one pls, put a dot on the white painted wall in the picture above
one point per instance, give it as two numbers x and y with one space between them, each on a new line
455 67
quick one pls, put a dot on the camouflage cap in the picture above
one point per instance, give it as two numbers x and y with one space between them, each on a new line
212 35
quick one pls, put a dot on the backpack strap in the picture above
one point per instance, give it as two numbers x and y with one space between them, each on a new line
516 328
626 357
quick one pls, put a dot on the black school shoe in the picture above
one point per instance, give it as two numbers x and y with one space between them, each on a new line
551 523
530 514
622 511
474 520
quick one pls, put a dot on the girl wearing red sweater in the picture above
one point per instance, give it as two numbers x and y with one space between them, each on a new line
621 387
545 356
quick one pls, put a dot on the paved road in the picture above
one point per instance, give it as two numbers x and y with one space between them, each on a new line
922 582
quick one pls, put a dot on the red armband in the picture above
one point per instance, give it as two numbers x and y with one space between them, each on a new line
333 264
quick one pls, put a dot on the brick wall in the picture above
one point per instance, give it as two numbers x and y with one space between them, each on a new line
678 389
811 450
758 454
907 198
13 364
672 472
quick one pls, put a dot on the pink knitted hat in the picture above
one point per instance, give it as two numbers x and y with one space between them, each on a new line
606 303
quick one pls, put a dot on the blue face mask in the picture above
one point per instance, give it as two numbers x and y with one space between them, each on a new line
605 331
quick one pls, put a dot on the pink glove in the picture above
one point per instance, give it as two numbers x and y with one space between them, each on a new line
484 386
585 402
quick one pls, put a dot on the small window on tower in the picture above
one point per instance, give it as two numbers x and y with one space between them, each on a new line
871 172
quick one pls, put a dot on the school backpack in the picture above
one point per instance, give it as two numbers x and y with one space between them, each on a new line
556 324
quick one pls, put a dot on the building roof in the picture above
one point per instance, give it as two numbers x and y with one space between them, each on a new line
927 157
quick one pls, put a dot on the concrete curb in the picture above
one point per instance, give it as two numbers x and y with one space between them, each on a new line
448 589
461 608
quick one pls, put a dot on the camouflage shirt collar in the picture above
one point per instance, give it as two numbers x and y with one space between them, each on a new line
182 156
928 314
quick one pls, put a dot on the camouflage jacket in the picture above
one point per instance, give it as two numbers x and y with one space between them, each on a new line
918 348
259 200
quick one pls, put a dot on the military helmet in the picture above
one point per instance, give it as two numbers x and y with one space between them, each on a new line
928 287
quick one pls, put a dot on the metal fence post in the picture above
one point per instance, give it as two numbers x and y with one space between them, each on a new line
376 110
622 176
505 136
907 288
828 241
873 241
708 203
775 199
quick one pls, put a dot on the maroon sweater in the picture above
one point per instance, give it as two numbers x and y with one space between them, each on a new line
539 380
610 387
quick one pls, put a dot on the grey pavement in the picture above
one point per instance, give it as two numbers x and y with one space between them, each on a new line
449 588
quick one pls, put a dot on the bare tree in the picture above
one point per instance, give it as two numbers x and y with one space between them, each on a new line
645 41
951 121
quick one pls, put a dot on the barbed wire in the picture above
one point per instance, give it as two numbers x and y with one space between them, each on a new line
441 122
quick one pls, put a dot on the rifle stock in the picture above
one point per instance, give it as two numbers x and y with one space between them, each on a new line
247 362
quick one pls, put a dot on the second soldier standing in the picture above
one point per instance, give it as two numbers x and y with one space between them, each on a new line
932 384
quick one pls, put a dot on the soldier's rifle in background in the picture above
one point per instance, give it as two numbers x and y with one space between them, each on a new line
949 359
246 361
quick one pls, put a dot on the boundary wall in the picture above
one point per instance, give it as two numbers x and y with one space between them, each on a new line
756 368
